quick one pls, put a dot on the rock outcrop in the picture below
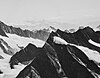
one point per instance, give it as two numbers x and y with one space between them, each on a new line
6 48
2 32
81 37
1 57
24 55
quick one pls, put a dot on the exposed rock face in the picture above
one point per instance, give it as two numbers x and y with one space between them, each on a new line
2 32
24 55
43 66
81 37
29 73
55 60
1 72
6 48
69 37
1 57
39 34
67 61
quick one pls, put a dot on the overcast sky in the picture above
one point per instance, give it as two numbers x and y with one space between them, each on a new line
18 11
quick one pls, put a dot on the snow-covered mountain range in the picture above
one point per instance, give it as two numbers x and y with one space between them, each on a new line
62 54
10 43
37 34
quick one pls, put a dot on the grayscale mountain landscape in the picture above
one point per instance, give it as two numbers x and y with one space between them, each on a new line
49 39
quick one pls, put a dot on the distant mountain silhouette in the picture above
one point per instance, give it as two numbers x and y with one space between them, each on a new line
38 34
41 24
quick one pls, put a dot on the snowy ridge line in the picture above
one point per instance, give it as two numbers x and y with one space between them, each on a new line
22 41
72 52
14 41
41 34
92 55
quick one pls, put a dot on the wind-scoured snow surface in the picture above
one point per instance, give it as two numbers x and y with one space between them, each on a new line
14 41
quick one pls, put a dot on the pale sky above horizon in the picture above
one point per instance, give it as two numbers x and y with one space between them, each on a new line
17 11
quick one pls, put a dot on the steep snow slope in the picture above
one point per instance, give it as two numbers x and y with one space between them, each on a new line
14 41
5 68
92 55
23 41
